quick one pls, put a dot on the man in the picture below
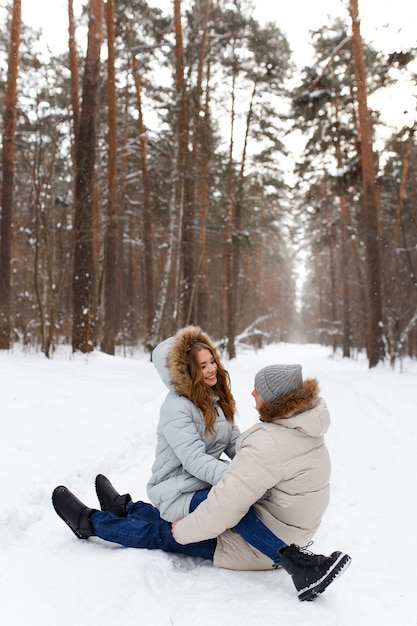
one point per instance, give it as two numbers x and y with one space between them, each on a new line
282 468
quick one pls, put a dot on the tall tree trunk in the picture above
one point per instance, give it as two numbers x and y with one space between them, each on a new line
73 65
48 269
344 213
203 193
8 157
83 284
182 286
228 274
345 273
395 286
236 237
398 238
375 347
173 261
330 319
191 252
112 273
147 211
125 252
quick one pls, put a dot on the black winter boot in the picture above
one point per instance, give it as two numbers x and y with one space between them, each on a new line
109 498
312 573
73 512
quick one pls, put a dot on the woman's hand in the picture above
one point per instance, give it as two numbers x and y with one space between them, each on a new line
173 528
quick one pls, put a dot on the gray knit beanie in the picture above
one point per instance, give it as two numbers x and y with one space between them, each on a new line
274 381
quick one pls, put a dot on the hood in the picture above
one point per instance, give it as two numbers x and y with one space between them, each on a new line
303 410
160 360
170 358
293 404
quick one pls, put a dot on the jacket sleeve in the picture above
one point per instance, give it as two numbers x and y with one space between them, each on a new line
231 448
183 437
255 469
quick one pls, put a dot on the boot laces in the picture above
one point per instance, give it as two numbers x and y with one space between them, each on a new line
309 558
304 549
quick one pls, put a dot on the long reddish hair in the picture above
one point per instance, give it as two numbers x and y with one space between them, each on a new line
202 395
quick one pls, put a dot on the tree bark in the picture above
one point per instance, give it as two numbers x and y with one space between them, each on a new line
192 174
236 235
203 195
375 347
182 130
112 273
73 65
8 164
147 210
83 285
228 275
344 219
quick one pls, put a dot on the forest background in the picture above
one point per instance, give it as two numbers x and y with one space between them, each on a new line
150 180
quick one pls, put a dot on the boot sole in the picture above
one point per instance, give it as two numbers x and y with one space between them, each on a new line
312 592
76 532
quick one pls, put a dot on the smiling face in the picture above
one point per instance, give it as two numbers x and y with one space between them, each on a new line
258 399
208 367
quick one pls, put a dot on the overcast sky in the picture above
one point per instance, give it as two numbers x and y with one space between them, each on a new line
386 22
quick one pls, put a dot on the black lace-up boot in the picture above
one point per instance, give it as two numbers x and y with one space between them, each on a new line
74 512
312 573
109 498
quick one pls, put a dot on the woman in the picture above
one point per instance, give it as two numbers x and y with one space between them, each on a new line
196 424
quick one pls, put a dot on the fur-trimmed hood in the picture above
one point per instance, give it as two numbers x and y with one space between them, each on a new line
290 405
177 358
170 358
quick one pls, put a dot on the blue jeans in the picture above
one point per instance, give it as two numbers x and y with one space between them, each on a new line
144 528
251 529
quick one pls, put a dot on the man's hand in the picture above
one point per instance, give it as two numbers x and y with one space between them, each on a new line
173 528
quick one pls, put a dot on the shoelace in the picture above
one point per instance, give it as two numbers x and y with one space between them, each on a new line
304 549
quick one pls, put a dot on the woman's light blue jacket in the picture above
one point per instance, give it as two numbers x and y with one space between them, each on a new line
186 459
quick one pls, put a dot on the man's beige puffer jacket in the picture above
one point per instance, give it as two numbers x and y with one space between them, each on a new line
281 467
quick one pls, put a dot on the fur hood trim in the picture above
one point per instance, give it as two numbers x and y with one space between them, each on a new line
290 405
177 357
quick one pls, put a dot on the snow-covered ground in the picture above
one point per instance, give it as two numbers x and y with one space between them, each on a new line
67 419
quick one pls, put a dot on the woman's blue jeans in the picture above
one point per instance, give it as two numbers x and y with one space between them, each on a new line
143 527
